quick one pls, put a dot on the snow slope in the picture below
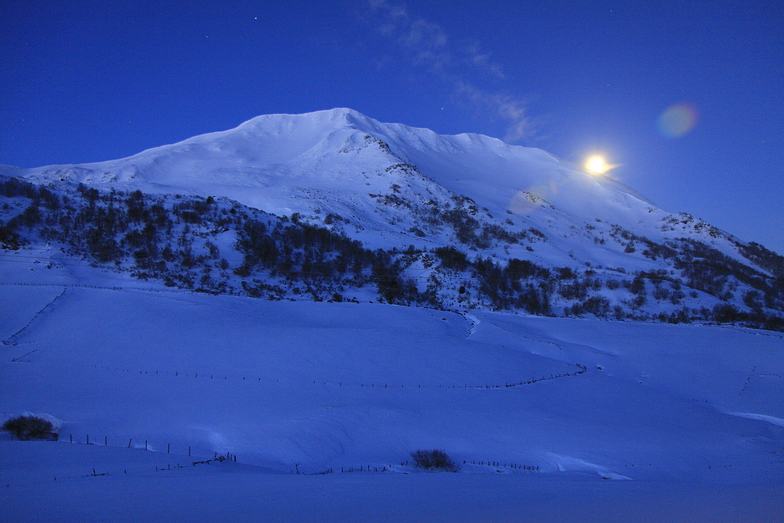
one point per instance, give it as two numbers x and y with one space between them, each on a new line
289 386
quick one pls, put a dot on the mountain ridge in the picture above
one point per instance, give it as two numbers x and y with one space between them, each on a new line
401 189
269 161
311 136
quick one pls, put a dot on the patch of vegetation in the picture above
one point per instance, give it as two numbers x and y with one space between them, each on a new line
219 246
29 427
434 460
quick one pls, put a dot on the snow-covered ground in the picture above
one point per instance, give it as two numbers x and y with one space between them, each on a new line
550 419
148 486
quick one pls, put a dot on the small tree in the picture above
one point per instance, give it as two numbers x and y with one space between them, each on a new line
434 460
29 427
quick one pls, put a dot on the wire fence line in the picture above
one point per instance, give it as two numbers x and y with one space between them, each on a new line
222 377
203 456
12 339
157 445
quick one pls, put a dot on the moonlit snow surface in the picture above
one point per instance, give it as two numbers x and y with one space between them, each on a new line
321 404
666 423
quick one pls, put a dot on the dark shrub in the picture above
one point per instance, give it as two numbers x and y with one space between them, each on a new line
434 460
29 427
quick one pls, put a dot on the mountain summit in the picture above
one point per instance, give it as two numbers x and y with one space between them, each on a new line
263 159
453 202
340 161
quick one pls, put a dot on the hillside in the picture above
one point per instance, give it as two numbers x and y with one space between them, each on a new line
266 322
335 205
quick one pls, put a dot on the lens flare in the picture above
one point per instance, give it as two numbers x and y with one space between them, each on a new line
677 120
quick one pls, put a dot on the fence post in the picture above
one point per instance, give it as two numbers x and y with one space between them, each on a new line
106 441
129 442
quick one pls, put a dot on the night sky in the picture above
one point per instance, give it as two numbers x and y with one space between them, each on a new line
686 98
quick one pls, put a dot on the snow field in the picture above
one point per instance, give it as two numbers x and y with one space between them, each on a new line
331 385
133 485
689 414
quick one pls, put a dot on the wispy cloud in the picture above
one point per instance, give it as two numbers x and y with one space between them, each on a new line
428 47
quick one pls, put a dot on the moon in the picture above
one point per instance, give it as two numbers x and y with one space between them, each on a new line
596 164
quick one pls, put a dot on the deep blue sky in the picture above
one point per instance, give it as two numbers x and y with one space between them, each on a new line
84 81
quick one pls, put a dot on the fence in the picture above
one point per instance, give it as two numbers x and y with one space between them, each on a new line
146 444
203 456
582 369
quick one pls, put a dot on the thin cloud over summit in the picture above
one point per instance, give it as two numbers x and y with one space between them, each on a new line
429 49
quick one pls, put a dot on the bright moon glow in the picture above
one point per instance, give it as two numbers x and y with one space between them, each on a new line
597 165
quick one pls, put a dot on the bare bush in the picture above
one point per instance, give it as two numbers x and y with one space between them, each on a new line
435 459
29 427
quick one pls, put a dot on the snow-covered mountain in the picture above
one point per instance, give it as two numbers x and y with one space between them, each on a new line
377 176
108 327
493 205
